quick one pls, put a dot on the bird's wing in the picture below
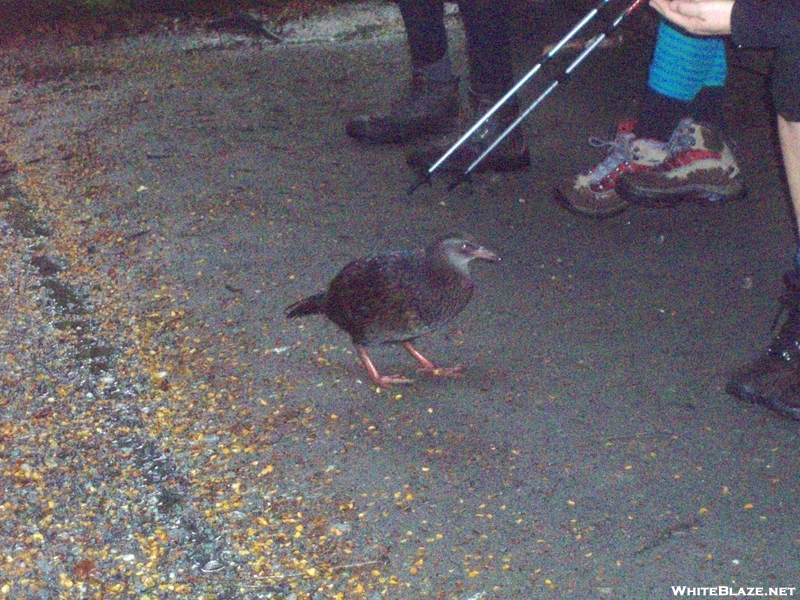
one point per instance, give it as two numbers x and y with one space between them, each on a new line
375 299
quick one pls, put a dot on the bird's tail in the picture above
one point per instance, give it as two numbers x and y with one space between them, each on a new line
313 305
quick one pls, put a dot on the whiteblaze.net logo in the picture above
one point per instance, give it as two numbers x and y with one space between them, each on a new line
724 591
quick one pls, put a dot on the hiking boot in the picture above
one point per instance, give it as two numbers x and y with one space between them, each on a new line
773 379
594 193
700 165
510 155
428 107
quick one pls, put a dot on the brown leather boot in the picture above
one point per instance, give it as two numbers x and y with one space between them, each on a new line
773 379
511 154
428 108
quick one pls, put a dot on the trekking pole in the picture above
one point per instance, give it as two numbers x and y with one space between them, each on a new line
567 72
425 177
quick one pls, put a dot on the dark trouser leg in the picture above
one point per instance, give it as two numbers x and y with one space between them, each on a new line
424 22
661 114
491 76
488 46
708 107
431 103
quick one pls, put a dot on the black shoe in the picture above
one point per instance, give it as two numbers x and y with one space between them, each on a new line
428 108
511 154
773 380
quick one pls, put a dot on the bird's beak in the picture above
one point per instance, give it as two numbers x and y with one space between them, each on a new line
484 254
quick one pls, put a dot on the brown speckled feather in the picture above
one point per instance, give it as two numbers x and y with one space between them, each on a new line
395 297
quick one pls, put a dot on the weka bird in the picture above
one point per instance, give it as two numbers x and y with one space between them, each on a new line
395 297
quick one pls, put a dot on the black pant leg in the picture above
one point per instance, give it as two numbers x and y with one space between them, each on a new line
660 116
488 46
424 22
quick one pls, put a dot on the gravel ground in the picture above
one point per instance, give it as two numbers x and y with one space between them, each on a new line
166 433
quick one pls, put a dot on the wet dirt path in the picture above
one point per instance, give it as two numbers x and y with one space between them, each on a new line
166 432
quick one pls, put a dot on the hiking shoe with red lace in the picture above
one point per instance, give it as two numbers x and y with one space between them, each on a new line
699 166
594 193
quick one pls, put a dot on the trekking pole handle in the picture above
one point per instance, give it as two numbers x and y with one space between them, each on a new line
625 13
573 32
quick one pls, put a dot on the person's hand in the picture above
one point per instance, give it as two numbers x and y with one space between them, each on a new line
701 17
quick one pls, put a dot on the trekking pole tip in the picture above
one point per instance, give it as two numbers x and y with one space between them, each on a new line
459 180
422 179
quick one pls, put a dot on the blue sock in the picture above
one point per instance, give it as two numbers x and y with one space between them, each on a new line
683 65
797 259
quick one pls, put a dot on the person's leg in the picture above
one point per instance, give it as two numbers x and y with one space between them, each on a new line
425 30
431 104
773 379
789 134
491 75
708 107
660 113
688 73
491 70
683 71
682 68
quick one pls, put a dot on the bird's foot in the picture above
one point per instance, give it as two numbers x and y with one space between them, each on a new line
387 380
377 378
443 371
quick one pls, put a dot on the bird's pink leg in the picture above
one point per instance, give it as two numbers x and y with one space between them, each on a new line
377 378
427 365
